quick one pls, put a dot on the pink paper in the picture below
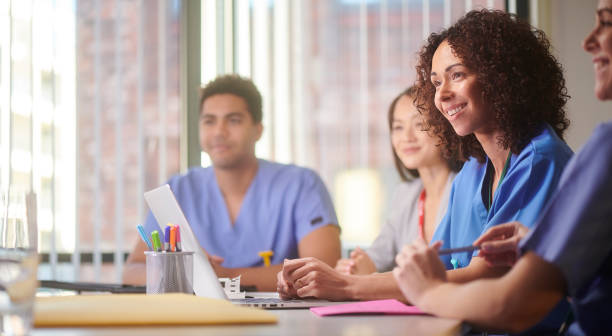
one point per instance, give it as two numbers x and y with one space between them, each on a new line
386 307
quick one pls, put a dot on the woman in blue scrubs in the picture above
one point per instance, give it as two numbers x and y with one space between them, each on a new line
567 253
492 91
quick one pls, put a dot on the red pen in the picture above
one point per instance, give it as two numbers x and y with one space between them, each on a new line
178 238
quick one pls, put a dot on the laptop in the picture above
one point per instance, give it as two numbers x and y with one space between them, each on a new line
166 209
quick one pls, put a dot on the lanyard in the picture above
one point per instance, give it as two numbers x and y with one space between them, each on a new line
503 174
421 205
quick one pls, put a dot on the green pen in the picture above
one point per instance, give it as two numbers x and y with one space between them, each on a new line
156 241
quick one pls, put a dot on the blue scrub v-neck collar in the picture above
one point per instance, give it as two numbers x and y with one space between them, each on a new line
485 183
227 223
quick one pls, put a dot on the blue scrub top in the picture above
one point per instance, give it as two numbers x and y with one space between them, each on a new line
531 177
283 204
575 234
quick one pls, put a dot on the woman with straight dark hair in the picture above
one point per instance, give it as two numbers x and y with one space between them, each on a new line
419 201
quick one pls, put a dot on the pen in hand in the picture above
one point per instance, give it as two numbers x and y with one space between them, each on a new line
470 248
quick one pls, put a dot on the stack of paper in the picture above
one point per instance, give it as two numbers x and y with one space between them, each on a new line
140 309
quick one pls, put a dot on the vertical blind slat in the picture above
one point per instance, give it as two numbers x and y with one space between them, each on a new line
161 89
118 260
97 220
139 111
363 85
425 19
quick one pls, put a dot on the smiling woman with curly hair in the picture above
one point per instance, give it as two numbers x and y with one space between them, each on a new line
520 80
492 91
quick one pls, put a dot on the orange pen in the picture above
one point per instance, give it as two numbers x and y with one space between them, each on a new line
173 239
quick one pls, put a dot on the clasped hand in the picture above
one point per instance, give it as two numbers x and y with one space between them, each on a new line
358 263
310 277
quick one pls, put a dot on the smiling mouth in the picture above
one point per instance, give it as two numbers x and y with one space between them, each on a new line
454 111
600 64
409 150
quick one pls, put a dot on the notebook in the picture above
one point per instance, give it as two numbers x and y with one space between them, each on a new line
166 209
381 307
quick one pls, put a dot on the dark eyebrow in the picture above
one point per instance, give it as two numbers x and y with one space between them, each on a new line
234 114
229 115
605 9
447 68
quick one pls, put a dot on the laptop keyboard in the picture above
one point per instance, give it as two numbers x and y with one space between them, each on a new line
266 302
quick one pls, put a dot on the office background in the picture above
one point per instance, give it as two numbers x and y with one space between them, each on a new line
99 101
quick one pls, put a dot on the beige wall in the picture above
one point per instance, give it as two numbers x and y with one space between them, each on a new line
569 22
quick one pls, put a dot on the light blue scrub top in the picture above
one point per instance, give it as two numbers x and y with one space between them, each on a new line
575 234
283 204
530 179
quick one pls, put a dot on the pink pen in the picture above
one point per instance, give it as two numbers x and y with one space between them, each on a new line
178 238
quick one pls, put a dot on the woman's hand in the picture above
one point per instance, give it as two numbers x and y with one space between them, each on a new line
310 277
283 287
358 263
499 245
418 269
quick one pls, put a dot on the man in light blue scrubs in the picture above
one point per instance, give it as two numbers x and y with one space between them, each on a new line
241 205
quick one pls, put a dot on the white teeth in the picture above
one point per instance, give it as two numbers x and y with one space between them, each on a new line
454 111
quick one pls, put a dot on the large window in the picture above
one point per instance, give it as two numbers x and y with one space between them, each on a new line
91 111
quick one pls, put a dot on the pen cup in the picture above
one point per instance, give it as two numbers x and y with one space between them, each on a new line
169 272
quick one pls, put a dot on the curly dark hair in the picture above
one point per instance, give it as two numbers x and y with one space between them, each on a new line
236 85
520 79
453 163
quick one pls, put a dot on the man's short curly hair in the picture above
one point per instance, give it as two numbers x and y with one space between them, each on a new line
236 85
520 79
